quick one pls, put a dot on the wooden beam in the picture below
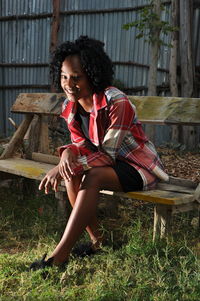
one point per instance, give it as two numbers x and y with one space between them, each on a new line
17 138
32 137
44 135
39 157
55 25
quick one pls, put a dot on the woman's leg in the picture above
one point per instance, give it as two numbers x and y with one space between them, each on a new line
93 228
84 210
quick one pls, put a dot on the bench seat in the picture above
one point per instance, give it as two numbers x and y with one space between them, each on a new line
165 193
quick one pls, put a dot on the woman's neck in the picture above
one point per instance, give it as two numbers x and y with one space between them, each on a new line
86 103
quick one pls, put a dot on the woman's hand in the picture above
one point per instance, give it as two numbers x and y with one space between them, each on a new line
67 163
51 179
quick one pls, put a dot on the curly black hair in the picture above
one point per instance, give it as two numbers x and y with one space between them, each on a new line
95 62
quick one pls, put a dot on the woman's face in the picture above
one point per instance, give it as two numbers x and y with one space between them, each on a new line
74 81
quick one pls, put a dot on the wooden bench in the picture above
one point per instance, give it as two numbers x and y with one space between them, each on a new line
178 195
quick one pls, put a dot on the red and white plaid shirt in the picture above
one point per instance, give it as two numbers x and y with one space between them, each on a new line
115 133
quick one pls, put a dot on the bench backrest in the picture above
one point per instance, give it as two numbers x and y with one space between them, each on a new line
150 109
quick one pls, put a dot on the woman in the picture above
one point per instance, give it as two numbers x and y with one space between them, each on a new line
109 149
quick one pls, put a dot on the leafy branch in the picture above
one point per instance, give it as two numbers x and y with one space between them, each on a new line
150 25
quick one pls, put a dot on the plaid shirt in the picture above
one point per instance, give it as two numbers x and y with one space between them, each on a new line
115 133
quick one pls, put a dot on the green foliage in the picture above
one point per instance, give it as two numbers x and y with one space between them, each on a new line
130 268
150 25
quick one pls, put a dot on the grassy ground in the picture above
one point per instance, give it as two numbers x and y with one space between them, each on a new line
130 267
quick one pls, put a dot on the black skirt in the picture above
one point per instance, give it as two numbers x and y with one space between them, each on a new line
129 177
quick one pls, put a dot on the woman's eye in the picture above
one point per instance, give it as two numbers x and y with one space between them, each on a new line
76 78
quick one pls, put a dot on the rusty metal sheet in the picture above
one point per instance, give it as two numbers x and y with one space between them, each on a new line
40 103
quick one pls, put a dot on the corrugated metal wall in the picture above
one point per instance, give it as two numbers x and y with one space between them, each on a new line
25 40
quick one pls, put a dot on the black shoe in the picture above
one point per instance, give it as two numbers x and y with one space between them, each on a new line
41 264
84 249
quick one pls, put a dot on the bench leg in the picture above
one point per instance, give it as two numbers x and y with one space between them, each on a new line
162 221
62 202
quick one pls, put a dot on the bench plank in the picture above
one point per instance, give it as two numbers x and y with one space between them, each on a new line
40 103
167 110
155 196
150 109
25 168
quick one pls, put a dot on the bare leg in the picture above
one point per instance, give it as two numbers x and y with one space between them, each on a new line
84 210
93 228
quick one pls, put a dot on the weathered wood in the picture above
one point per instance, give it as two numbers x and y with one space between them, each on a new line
39 157
17 138
31 141
155 196
175 188
25 168
40 103
189 137
154 49
55 25
62 202
194 206
186 54
156 224
174 49
13 123
173 80
165 219
162 221
197 194
44 135
167 110
182 182
150 109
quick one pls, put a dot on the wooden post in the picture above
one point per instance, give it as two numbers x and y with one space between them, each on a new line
173 81
62 202
154 51
152 76
55 25
162 220
156 225
44 135
189 137
33 137
17 138
174 50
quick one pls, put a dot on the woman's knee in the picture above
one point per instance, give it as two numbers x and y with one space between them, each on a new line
94 177
73 185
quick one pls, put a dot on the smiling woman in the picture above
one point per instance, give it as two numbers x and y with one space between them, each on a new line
109 149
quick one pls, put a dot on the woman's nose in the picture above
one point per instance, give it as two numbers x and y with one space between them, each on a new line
69 82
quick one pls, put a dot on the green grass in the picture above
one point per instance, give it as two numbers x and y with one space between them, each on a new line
130 267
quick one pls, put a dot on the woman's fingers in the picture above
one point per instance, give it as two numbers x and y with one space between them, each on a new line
55 185
48 182
42 183
65 171
46 187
